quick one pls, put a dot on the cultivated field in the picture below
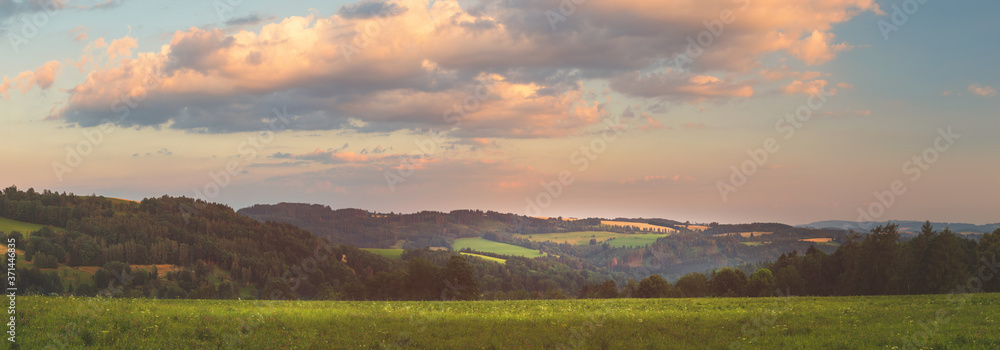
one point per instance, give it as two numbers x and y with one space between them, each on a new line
488 246
696 227
965 321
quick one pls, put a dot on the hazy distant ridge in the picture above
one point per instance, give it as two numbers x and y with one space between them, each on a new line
904 225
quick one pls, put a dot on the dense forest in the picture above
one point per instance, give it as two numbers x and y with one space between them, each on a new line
160 248
366 229
216 253
878 263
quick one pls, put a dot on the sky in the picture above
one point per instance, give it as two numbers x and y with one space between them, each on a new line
787 111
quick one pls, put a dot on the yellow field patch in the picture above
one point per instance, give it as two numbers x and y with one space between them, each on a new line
817 240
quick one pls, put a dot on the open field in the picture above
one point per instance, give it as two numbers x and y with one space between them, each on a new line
389 253
488 258
765 323
817 240
122 200
8 226
488 246
640 225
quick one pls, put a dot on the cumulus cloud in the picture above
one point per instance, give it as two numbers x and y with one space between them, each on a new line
982 90
818 48
414 61
680 86
808 88
43 77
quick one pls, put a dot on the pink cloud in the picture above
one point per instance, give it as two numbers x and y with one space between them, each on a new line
818 48
79 33
419 60
982 90
810 87
44 77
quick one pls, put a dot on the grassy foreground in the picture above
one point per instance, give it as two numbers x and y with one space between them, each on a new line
966 322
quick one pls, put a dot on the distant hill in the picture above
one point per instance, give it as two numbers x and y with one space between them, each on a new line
906 226
390 230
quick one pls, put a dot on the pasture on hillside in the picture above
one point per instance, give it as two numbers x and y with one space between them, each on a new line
488 246
389 253
968 321
25 228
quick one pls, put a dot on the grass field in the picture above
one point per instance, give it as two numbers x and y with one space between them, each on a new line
389 253
488 246
8 226
584 237
759 323
488 258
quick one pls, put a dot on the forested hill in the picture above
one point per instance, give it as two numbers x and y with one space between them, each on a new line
208 247
181 248
427 228
904 226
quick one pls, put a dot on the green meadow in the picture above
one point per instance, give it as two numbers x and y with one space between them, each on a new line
8 226
933 322
488 246
389 253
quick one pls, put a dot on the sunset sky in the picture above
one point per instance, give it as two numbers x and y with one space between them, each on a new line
416 105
